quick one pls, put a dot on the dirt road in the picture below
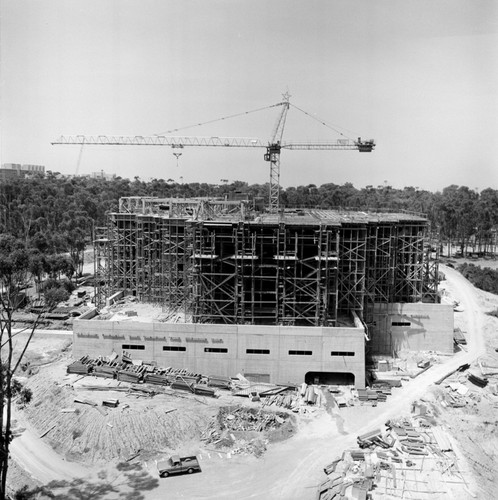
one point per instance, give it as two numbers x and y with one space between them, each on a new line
293 468
39 459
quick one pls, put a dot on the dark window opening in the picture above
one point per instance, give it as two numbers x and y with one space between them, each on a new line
329 378
257 351
215 349
400 323
174 348
300 353
342 353
131 347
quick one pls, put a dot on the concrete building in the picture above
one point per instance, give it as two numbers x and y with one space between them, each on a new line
298 295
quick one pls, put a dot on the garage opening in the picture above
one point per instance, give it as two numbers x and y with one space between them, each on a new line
329 378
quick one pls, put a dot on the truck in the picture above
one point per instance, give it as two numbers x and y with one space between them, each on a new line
178 465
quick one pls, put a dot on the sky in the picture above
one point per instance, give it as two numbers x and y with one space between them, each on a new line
418 76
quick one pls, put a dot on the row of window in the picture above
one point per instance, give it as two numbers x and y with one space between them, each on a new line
225 350
400 323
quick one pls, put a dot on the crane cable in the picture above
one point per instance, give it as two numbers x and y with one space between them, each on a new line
219 119
319 120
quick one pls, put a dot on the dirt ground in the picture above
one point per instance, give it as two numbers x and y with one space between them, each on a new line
111 452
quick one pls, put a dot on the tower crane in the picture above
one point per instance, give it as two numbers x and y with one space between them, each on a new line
273 146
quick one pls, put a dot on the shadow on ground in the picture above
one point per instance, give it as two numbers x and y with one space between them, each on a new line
129 484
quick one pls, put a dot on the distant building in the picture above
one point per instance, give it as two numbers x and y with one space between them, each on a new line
16 170
103 175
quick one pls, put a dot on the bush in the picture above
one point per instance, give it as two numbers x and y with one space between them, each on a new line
55 295
484 278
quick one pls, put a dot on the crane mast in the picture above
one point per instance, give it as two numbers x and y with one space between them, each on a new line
272 155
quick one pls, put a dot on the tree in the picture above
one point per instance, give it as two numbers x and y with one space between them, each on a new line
14 273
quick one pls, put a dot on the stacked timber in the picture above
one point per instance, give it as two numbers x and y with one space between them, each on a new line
191 379
81 367
129 376
283 400
154 378
203 390
219 382
104 371
180 384
373 438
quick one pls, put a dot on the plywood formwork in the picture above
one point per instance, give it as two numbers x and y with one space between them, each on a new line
295 268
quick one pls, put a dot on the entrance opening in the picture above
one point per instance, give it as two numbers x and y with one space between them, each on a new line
329 378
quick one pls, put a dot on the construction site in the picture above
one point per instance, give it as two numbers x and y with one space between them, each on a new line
299 295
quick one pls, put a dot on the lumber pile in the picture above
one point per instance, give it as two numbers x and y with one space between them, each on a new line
130 375
203 390
104 371
288 401
385 454
219 382
154 378
182 385
79 367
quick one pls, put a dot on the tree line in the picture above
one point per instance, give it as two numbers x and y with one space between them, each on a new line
55 214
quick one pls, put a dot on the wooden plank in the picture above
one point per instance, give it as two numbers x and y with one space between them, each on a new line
47 431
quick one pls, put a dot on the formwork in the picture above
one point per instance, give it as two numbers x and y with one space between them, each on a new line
216 262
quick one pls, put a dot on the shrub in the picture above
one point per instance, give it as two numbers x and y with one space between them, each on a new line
484 278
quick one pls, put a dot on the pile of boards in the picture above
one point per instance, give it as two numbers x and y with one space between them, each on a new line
383 456
374 395
135 372
79 367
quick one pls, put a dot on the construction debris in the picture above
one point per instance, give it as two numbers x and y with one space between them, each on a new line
381 464
231 427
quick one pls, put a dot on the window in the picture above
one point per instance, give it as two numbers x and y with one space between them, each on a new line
135 347
257 351
215 349
400 323
174 348
300 353
342 353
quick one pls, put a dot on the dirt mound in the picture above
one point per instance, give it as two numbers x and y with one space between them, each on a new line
91 433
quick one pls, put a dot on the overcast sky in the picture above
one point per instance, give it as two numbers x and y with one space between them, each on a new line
420 77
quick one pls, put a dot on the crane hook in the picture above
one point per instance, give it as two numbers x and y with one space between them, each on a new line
177 155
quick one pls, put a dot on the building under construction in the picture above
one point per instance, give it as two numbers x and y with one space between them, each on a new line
337 281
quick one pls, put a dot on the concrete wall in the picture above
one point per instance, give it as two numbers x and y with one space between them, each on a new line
415 327
186 346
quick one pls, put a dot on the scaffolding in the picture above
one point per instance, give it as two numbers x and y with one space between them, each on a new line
215 262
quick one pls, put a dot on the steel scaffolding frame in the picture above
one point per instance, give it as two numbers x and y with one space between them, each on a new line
409 272
124 252
352 265
280 271
102 265
175 265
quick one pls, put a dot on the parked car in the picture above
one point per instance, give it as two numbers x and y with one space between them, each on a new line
178 465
